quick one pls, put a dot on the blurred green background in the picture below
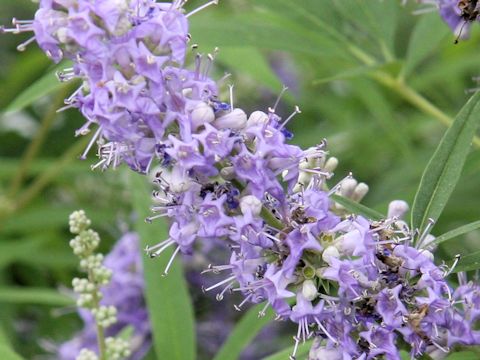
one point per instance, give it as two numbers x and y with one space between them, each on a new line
379 83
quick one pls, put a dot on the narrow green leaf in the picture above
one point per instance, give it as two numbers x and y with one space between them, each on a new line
457 232
168 301
426 36
43 86
357 208
468 262
463 355
251 61
347 74
8 354
244 332
36 296
444 168
302 351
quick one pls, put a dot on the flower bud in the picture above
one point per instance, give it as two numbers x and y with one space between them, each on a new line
201 114
397 208
250 204
319 352
360 191
257 118
331 164
348 187
236 119
309 290
329 253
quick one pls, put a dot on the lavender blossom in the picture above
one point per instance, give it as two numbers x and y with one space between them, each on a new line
232 179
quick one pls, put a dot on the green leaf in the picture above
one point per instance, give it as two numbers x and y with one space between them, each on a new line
8 354
37 296
468 262
463 355
43 86
428 33
357 208
168 301
444 168
302 350
251 61
244 332
347 74
457 232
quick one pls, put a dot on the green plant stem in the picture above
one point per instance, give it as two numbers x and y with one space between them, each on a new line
100 331
35 144
414 98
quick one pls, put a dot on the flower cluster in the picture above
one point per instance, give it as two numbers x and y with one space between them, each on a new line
129 56
225 178
108 301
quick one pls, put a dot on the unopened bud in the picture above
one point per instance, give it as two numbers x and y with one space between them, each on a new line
329 253
348 187
250 204
236 119
257 118
309 290
397 209
360 191
331 164
201 114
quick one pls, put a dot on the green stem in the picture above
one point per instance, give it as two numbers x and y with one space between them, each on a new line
35 144
414 98
100 331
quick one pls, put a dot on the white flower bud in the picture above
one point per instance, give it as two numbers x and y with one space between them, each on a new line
329 253
257 118
348 187
236 119
397 208
428 254
360 191
201 114
251 204
318 352
309 290
331 164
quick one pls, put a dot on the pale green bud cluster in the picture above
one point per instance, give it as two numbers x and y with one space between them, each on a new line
85 243
78 222
88 290
86 354
105 315
88 293
117 348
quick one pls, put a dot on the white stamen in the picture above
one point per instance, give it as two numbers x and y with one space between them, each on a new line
200 8
220 283
295 112
90 144
24 45
279 97
170 262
